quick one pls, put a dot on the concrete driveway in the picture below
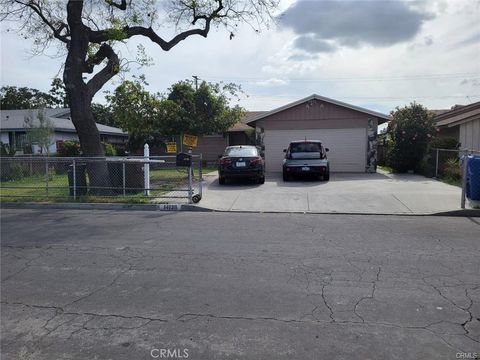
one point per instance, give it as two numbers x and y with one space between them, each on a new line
379 193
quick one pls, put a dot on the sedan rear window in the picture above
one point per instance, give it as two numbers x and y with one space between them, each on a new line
244 151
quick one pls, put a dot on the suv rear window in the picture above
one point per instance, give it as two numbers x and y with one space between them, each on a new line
306 150
244 151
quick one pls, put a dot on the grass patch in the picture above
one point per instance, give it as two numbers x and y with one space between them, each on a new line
451 181
385 168
34 189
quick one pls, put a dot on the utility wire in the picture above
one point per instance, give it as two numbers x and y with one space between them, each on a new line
351 78
372 98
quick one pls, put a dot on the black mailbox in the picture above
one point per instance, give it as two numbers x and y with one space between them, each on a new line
184 159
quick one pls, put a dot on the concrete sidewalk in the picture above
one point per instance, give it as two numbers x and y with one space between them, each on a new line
379 193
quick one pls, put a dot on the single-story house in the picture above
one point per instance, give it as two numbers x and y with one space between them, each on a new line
12 129
462 122
349 131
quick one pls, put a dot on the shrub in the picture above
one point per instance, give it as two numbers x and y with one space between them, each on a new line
12 171
409 133
69 148
452 169
109 149
7 150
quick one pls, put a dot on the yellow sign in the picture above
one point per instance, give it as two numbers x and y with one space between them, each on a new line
190 140
171 147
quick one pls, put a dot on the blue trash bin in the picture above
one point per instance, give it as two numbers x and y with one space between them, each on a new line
473 178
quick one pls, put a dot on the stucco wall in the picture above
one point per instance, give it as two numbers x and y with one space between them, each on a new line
211 146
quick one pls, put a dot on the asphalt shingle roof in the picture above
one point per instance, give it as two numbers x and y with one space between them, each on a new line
60 119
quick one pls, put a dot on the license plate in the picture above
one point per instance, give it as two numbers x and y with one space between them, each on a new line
305 168
240 163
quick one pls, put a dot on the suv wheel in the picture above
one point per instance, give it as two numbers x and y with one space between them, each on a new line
221 180
286 177
261 180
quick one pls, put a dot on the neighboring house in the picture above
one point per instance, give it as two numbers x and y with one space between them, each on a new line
12 130
349 131
463 124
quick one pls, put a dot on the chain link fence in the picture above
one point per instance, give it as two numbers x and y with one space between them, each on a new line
155 179
448 165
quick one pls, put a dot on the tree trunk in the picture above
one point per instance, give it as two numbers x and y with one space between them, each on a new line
80 101
83 119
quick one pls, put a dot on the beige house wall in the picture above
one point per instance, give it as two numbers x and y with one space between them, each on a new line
470 135
315 114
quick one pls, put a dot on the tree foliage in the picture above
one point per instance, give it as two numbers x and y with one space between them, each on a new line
16 98
13 98
409 133
134 109
152 118
103 114
204 111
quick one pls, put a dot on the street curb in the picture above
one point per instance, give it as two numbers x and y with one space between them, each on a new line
453 213
104 206
188 207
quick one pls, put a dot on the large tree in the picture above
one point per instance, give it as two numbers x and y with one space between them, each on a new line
90 30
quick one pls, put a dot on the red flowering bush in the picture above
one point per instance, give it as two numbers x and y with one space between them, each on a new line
409 133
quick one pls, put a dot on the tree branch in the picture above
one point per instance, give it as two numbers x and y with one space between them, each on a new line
103 76
104 35
121 6
57 32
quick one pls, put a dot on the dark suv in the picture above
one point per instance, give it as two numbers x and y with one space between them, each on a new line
242 161
306 157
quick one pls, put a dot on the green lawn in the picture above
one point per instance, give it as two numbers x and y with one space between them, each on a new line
33 188
451 180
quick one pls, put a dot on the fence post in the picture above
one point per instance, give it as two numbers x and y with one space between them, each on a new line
146 169
123 175
436 165
190 186
74 173
46 176
464 181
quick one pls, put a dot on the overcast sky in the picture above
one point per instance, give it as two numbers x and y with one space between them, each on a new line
374 54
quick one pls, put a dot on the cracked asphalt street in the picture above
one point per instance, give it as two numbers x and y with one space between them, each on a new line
119 284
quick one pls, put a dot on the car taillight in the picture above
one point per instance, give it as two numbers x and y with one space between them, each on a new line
225 161
255 161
